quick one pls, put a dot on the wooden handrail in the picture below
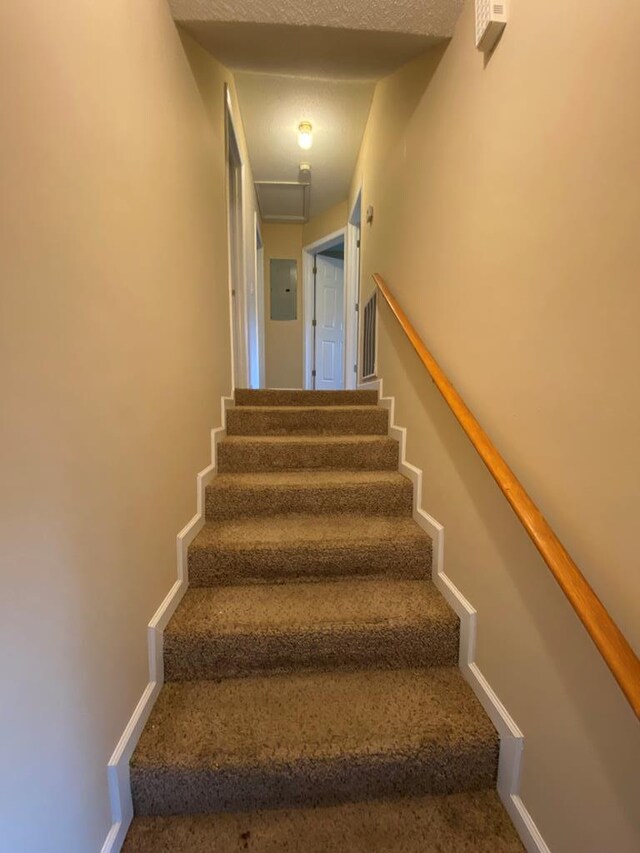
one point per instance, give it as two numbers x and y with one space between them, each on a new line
609 639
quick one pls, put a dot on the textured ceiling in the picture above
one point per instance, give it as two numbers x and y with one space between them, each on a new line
315 60
273 106
357 39
435 18
314 51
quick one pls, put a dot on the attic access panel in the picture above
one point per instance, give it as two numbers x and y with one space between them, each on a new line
285 201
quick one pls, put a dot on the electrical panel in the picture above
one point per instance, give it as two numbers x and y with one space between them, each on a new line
283 278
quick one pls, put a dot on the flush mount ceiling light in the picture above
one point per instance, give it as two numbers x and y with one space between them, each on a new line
305 135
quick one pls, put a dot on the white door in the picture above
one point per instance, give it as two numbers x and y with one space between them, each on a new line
329 345
354 316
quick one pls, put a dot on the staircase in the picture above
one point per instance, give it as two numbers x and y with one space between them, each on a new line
312 699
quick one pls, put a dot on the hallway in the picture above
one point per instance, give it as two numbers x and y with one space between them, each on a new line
405 620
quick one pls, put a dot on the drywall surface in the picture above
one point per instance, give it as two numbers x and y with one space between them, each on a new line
283 338
506 199
326 223
210 78
114 352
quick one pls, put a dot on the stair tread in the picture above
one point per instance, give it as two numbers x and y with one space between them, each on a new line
307 420
322 606
298 491
323 532
292 397
308 439
342 407
318 716
473 822
307 478
316 451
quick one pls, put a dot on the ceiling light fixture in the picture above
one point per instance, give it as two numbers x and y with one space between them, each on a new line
305 135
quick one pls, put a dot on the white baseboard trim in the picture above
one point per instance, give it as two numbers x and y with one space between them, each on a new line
511 738
118 766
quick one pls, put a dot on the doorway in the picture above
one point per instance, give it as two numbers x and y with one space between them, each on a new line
239 337
352 291
324 312
256 316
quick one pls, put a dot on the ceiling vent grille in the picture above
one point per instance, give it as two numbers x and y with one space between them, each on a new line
491 19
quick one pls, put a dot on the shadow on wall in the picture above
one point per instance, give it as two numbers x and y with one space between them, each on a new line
525 622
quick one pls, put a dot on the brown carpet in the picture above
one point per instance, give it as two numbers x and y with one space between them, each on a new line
288 547
240 630
313 420
324 492
311 738
283 453
311 667
459 823
282 397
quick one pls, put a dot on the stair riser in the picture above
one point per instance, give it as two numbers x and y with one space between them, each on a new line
294 421
232 458
272 397
210 658
211 566
471 822
432 770
375 499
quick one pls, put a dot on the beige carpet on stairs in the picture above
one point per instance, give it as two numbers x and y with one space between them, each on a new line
312 699
459 823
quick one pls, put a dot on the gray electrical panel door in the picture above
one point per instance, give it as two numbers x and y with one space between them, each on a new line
283 285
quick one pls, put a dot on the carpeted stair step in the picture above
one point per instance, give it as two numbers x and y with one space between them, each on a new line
472 822
311 739
279 453
284 397
259 493
307 420
223 632
308 547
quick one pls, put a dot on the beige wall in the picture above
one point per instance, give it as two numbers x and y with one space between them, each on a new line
283 338
210 77
114 352
506 206
325 223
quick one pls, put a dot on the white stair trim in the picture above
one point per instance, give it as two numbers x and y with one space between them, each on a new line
118 766
511 738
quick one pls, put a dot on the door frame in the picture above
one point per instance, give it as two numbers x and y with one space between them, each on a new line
238 319
259 279
352 266
308 252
